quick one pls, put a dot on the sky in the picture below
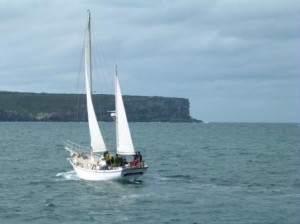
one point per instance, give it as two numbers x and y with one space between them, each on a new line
235 60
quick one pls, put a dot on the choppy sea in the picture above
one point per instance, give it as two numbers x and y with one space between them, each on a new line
198 173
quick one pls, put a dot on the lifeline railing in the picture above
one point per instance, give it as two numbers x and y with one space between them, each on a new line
72 147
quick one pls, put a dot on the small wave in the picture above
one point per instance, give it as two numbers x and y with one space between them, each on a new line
185 177
49 205
158 177
70 175
171 178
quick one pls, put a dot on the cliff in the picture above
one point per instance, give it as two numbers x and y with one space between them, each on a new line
15 106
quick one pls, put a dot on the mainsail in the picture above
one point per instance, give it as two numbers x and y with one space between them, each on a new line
124 140
97 142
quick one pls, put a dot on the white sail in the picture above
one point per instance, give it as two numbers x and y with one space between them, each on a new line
124 140
97 142
94 167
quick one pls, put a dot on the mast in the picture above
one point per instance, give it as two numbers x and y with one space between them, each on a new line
97 142
116 107
88 54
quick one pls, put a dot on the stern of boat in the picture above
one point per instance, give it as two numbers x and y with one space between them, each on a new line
133 173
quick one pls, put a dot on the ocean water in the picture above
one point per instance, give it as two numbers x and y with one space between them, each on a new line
198 173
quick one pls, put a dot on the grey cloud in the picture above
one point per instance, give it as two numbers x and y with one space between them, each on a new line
237 53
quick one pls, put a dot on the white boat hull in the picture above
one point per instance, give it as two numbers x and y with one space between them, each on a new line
119 173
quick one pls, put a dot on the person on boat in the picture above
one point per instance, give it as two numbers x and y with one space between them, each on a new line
123 161
117 161
135 160
140 156
107 158
112 160
103 164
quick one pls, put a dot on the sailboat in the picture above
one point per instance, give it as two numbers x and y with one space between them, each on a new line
96 163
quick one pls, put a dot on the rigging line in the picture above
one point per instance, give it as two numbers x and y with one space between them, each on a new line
104 90
96 98
75 102
101 62
99 66
78 98
79 81
104 77
100 75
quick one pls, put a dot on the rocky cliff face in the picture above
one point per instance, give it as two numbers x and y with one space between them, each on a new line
70 107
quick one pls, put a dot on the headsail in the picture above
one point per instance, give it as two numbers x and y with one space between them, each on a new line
97 142
124 140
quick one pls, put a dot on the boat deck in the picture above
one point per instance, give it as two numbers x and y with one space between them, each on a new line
96 163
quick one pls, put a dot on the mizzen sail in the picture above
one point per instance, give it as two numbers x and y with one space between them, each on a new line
124 140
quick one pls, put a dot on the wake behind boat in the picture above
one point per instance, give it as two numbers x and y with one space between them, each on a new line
96 163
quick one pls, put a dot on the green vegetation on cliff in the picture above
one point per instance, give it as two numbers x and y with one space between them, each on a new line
15 106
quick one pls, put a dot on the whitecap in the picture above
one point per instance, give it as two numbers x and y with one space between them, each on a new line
69 175
158 177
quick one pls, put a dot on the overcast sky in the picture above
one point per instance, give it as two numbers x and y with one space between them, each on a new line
235 60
